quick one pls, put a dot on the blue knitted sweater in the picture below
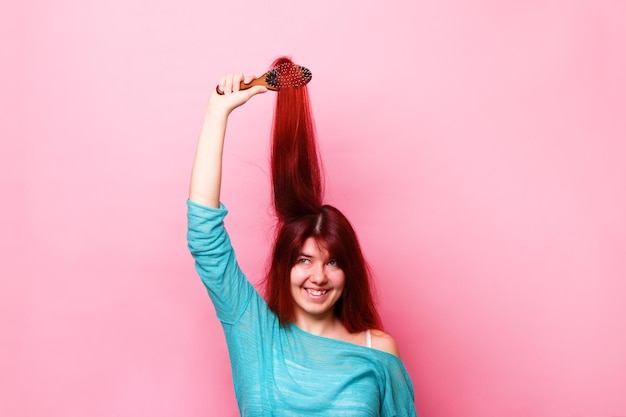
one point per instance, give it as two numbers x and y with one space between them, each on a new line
283 370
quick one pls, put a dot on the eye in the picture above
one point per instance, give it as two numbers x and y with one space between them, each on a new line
333 263
304 261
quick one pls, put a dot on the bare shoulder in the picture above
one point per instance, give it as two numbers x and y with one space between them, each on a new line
383 341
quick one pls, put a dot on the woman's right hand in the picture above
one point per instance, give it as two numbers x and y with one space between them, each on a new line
233 97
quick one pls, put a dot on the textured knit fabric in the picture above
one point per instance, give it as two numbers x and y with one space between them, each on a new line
283 370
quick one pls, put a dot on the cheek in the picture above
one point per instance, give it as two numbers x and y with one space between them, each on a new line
296 276
339 279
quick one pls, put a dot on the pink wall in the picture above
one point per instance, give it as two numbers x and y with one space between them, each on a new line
478 147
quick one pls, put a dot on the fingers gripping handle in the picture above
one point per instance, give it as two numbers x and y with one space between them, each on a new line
262 80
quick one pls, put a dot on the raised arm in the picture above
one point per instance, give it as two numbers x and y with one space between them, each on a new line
206 175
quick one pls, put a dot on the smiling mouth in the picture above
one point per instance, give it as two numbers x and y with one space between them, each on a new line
316 293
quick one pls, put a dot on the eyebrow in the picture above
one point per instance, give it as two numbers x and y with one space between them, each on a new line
305 255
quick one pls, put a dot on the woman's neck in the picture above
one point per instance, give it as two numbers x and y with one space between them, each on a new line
329 326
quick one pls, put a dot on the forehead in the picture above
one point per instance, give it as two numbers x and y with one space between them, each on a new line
314 247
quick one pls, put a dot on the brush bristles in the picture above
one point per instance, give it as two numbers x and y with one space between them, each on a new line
286 75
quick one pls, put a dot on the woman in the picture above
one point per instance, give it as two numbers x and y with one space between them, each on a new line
315 347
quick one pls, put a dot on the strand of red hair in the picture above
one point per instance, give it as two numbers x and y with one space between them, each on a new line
296 173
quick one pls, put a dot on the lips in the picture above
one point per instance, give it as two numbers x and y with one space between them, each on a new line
316 293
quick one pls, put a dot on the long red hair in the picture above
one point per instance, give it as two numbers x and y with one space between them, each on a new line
298 202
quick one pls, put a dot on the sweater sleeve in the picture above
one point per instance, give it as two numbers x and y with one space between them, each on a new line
399 397
215 261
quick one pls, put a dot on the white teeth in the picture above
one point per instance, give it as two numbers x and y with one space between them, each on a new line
318 293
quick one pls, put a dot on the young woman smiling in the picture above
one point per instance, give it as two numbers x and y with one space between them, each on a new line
314 346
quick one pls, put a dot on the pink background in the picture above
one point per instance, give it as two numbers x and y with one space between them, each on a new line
478 148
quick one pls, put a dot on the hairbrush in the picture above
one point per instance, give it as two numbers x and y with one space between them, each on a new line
283 75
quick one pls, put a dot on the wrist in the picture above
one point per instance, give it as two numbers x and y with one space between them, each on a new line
216 112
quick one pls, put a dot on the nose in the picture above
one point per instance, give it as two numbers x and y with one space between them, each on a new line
318 275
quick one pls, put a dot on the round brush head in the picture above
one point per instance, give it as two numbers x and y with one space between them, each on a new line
286 75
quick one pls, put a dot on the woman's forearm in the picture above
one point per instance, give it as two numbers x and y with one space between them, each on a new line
206 174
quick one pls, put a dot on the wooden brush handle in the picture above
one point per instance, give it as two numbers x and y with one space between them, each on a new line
257 81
